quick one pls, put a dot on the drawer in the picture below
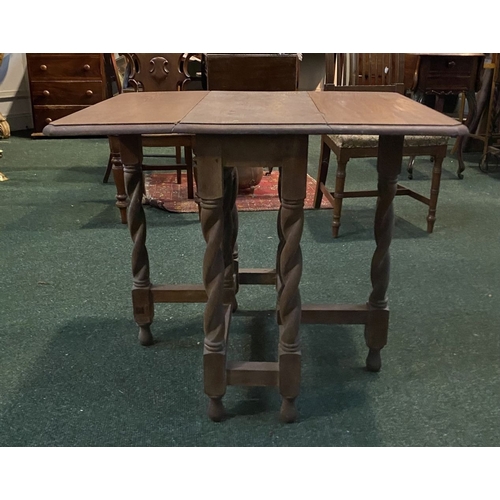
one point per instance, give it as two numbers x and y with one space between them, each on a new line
449 73
67 93
64 66
43 115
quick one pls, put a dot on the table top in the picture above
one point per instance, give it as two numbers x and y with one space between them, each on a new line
222 112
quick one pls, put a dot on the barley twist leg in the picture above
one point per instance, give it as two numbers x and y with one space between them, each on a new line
291 222
214 322
142 299
388 166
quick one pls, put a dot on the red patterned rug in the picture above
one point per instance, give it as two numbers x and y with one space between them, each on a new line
162 191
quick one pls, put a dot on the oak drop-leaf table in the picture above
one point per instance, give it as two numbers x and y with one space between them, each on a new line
269 129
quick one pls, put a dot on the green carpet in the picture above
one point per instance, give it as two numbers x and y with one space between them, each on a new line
73 374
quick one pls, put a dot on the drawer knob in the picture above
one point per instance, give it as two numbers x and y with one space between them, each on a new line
46 93
89 93
86 67
48 120
43 67
451 64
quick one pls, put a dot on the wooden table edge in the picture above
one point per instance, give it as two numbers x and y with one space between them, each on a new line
232 129
105 130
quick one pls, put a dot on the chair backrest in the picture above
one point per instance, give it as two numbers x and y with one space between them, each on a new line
364 69
252 72
157 72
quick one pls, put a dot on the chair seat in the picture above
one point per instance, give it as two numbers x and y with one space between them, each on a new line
371 141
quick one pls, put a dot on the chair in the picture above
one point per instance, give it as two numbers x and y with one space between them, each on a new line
378 73
154 73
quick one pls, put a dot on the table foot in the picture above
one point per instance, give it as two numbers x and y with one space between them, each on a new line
288 412
216 411
373 360
145 335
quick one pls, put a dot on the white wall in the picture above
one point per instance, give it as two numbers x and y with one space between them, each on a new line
15 104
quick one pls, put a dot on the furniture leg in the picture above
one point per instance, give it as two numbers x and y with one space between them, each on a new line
390 154
439 103
178 159
109 168
472 104
338 195
230 231
281 243
113 146
234 216
291 215
121 194
409 168
188 154
196 196
142 296
114 155
324 161
461 164
210 191
433 199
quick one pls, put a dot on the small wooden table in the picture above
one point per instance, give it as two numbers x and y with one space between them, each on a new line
441 75
269 129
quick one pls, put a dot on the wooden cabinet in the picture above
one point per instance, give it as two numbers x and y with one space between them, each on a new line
441 75
256 72
449 73
61 84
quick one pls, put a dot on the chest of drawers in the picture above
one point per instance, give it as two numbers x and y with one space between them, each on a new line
61 84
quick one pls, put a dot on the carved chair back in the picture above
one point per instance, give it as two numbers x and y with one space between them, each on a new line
157 72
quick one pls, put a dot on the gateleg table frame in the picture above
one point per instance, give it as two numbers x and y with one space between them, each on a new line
268 129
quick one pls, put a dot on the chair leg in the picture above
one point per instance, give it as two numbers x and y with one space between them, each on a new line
409 168
178 159
324 160
114 155
436 179
461 164
188 154
108 169
121 194
338 196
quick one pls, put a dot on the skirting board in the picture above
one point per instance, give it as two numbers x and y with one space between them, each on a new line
21 121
